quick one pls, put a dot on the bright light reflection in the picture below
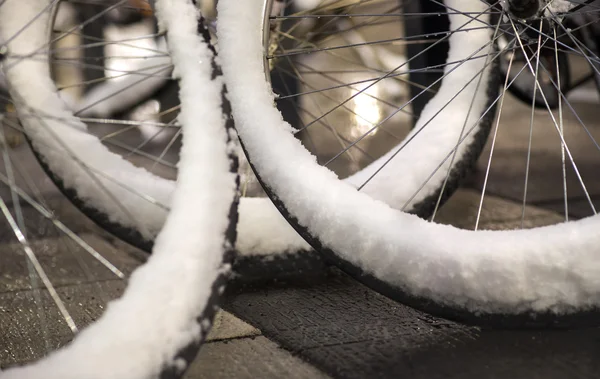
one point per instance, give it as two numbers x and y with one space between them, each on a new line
367 112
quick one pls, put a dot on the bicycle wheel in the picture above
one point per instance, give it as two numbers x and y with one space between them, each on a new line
540 277
124 96
170 301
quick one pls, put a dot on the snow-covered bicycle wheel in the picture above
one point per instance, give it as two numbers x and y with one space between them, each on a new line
546 276
157 326
124 97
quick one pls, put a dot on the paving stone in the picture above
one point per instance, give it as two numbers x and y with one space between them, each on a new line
227 326
249 358
31 324
63 261
496 213
304 313
349 331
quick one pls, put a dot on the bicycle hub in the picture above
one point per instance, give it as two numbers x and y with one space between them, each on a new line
524 9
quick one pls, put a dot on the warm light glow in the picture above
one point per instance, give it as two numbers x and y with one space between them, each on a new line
367 110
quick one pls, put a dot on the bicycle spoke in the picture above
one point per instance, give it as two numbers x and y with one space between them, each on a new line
562 134
445 183
527 167
567 150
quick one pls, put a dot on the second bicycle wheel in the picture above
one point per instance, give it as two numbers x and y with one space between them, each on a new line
545 276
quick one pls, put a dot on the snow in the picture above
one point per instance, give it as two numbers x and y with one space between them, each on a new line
263 231
560 6
165 296
552 268
552 7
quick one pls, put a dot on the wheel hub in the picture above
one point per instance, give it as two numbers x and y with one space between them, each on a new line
524 9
